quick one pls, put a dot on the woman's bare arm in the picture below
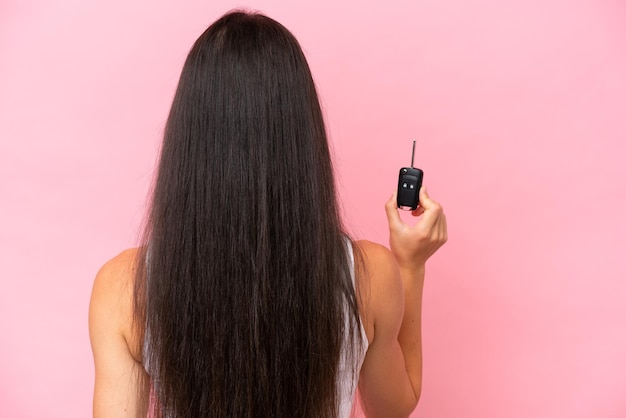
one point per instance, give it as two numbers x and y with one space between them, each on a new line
117 371
385 387
391 376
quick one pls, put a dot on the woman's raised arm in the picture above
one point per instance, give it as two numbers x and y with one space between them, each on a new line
391 375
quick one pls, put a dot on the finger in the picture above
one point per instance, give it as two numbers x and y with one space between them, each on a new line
420 209
431 216
391 207
425 201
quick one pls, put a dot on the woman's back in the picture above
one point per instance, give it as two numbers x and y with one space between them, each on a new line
111 318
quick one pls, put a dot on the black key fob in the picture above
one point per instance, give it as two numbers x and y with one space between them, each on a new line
409 184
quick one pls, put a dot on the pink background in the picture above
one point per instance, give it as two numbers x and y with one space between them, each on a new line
519 110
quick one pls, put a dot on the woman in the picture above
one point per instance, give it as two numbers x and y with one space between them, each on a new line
247 298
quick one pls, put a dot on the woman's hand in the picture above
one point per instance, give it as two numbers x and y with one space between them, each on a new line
413 245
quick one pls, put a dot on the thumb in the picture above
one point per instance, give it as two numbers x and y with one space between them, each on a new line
391 207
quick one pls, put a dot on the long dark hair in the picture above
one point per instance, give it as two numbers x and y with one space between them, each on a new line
243 280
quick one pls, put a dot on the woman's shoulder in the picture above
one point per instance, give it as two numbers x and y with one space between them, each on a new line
111 305
121 263
376 260
117 274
